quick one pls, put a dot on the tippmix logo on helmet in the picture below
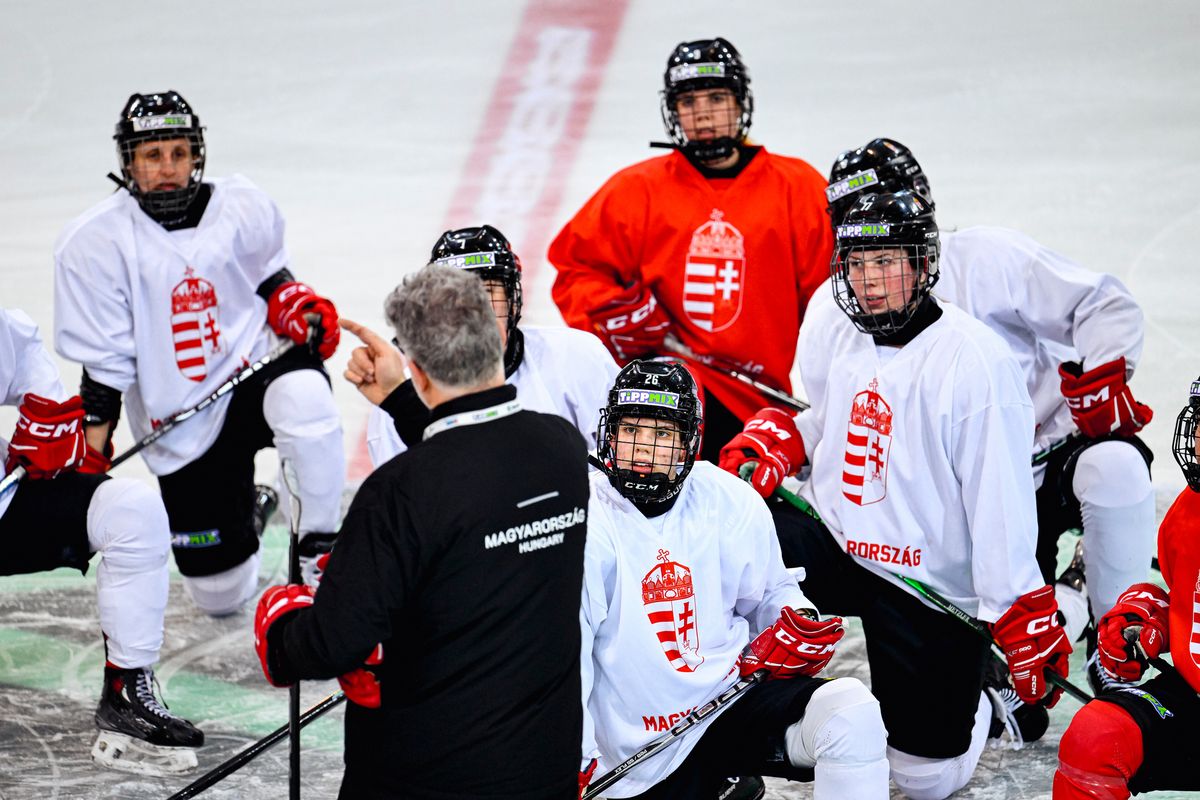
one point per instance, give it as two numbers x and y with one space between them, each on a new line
644 394
886 233
158 117
881 165
706 64
485 251
1183 443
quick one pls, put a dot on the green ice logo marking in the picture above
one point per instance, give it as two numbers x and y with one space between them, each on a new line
642 397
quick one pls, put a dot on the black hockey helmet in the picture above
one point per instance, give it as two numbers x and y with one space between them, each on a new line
1184 443
706 64
880 165
151 117
651 389
897 220
485 251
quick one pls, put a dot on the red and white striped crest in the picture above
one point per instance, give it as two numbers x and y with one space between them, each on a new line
868 443
1194 641
671 607
714 275
195 325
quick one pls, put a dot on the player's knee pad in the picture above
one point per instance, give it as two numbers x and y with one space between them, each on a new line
300 404
1111 474
225 592
841 723
1099 753
127 523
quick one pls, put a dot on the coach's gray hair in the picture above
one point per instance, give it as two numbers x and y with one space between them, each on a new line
445 322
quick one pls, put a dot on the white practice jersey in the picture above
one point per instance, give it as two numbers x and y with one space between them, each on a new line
920 454
668 605
25 367
563 371
167 316
1046 307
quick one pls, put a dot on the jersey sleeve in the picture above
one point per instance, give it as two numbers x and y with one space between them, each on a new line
812 234
595 371
366 580
599 585
598 252
263 230
1060 301
991 439
813 359
93 317
764 585
1179 557
32 368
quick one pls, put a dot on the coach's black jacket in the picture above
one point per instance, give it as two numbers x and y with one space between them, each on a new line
464 556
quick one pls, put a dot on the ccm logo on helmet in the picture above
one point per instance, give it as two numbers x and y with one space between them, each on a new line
44 430
1041 624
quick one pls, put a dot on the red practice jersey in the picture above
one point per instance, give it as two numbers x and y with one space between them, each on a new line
1179 558
732 261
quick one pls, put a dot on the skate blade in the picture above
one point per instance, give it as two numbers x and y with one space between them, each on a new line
127 754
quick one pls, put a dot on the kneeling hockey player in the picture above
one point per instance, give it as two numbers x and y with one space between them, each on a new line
1135 738
918 437
682 567
58 517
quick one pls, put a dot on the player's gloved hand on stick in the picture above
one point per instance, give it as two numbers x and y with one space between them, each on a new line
585 776
631 324
1034 643
49 437
277 602
1100 400
362 685
1140 614
294 306
770 438
795 644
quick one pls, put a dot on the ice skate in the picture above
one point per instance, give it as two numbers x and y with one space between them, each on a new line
137 732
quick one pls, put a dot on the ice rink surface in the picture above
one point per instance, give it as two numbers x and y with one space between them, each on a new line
375 126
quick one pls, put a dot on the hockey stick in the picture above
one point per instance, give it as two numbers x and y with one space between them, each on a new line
778 395
683 726
944 605
1043 455
11 479
293 486
222 771
225 388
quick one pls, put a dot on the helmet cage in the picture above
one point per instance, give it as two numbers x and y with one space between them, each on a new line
863 241
629 402
1183 444
699 65
160 117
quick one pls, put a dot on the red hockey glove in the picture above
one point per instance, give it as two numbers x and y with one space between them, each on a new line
770 438
631 324
362 685
1100 401
49 437
289 311
585 776
1033 642
794 645
95 462
1140 614
277 602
